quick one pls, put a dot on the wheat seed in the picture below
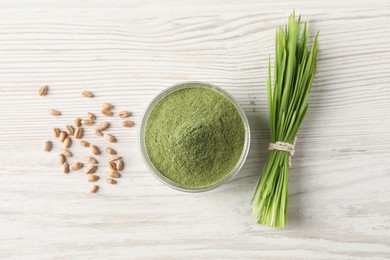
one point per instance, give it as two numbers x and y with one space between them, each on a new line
95 150
67 142
92 160
106 112
111 181
56 132
97 132
113 174
93 189
90 169
62 136
127 123
84 143
86 94
76 166
61 159
92 178
77 122
110 138
111 166
124 114
69 129
87 122
78 133
43 90
91 116
115 158
47 146
119 165
110 151
107 106
103 126
54 112
65 167
66 152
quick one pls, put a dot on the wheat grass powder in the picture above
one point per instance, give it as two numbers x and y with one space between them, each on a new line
194 136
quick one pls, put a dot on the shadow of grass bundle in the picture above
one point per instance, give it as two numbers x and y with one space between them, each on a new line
294 71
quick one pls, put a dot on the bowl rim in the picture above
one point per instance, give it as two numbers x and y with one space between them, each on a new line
142 146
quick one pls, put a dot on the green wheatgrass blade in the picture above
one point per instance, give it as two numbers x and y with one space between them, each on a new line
269 95
294 70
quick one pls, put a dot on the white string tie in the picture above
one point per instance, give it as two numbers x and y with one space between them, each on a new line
286 147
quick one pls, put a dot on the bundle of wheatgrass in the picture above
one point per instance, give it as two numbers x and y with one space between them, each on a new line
294 71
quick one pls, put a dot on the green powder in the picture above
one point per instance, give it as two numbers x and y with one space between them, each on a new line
194 136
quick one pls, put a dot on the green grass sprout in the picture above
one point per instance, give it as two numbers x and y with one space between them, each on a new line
294 70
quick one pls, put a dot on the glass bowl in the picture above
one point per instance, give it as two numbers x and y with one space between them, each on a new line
161 177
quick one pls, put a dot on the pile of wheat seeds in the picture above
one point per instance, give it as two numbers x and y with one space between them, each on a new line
74 132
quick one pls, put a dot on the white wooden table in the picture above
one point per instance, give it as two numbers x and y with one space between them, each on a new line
126 52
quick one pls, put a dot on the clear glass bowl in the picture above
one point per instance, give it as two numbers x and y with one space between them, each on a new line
161 177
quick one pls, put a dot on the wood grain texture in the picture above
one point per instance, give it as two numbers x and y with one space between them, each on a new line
126 52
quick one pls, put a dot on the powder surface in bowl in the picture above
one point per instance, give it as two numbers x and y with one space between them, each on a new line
194 136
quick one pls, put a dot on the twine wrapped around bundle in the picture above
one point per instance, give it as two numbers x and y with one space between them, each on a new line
287 147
